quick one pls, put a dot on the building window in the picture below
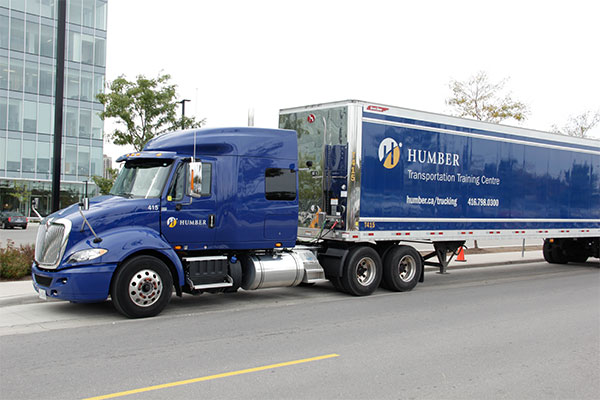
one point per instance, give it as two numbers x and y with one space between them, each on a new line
97 125
75 12
43 157
71 125
83 162
13 156
29 116
2 153
3 112
46 79
45 118
31 77
46 41
74 47
72 82
48 9
99 52
18 5
70 157
3 73
96 163
15 113
88 13
17 34
280 184
87 83
4 31
28 156
85 124
101 15
32 38
98 85
87 49
33 7
16 75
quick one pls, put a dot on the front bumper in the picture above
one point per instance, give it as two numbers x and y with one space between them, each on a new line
82 284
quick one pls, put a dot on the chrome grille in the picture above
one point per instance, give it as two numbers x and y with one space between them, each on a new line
50 242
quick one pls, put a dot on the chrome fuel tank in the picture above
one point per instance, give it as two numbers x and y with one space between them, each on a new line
280 269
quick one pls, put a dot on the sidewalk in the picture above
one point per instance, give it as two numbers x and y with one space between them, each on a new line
17 292
22 292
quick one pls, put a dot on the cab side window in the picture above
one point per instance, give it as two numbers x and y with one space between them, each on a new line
177 188
280 184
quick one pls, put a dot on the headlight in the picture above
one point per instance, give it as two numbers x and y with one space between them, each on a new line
86 255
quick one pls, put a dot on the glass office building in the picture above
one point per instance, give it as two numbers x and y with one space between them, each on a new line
28 30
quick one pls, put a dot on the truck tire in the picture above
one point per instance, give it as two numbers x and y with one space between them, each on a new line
578 258
142 287
553 253
402 268
362 271
546 250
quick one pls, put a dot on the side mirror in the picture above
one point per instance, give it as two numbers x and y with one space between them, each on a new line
194 186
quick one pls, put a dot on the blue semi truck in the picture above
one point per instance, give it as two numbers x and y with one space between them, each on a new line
340 192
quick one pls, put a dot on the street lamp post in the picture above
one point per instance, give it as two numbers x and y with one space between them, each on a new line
182 102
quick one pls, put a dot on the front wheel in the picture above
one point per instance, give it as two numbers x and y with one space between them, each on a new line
402 268
362 272
142 287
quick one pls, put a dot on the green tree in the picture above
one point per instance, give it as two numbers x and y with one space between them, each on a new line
579 125
105 184
21 193
143 109
481 99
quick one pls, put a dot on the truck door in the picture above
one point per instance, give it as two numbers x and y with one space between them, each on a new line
188 209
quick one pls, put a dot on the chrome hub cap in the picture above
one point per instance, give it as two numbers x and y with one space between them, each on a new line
145 288
407 267
366 271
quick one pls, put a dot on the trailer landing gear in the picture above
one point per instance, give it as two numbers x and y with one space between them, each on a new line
444 251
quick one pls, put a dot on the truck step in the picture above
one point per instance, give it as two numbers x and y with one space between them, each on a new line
216 285
313 273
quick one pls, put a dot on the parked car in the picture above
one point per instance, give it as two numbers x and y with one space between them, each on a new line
10 219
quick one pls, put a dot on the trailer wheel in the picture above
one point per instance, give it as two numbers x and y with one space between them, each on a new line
578 258
553 253
142 287
402 268
362 272
546 250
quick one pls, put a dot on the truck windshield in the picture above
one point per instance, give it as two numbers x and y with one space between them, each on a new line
142 179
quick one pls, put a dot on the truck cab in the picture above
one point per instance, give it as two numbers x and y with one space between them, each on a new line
189 210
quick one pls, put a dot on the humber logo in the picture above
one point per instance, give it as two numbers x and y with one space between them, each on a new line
389 152
171 222
389 155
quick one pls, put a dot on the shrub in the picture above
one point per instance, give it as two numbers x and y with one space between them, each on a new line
15 262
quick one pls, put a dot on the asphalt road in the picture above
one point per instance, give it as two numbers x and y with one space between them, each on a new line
519 331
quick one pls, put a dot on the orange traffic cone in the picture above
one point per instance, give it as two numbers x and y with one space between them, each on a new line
461 255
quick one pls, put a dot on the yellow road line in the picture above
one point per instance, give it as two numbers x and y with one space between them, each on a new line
210 377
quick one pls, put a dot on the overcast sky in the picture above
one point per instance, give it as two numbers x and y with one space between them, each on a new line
229 56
